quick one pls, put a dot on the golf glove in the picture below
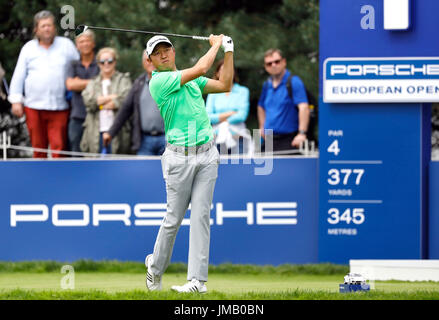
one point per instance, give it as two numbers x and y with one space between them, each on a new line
227 44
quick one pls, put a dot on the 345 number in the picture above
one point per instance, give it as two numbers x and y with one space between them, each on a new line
348 216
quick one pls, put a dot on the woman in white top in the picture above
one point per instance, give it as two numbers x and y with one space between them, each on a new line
103 97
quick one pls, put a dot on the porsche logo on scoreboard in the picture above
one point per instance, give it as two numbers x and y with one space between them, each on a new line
385 80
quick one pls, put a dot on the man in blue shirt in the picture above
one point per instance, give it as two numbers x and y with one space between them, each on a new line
287 116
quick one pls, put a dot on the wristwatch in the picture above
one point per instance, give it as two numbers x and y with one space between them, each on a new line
302 132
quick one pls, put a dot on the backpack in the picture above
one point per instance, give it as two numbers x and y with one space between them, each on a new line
312 134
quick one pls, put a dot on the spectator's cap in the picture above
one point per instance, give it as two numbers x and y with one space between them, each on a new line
151 44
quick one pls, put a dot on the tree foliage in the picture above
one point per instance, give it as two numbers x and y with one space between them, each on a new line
255 26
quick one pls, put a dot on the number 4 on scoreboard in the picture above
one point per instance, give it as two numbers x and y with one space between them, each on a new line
333 148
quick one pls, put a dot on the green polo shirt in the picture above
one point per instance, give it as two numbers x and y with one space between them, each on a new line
182 108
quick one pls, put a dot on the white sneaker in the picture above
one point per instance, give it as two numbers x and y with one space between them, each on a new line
153 282
191 286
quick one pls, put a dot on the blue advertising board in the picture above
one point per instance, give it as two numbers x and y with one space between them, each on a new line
374 131
112 209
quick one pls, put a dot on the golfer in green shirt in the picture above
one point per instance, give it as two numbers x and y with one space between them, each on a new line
190 161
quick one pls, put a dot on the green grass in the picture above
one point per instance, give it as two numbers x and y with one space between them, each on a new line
126 280
139 267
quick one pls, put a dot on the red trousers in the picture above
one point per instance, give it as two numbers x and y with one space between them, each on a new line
47 127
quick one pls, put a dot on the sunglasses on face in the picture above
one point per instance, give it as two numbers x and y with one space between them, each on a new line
270 63
109 61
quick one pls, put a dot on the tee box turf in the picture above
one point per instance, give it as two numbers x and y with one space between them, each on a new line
344 287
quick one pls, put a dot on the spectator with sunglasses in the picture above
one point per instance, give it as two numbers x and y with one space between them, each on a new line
287 116
148 133
103 98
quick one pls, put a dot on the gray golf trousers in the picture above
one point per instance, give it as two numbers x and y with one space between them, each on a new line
190 179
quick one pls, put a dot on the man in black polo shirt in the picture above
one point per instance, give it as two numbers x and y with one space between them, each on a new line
148 135
78 75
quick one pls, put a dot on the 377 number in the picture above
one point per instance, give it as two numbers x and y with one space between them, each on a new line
342 175
355 216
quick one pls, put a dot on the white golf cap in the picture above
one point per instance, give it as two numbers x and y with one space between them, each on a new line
150 45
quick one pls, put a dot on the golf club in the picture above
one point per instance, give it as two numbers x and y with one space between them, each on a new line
81 28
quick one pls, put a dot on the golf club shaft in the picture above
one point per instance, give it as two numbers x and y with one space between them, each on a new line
150 32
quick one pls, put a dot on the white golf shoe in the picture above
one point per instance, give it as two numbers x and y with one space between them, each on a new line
191 286
153 282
